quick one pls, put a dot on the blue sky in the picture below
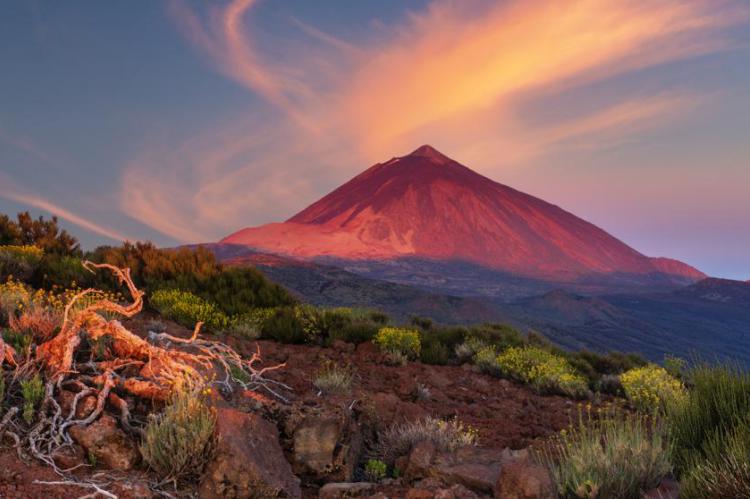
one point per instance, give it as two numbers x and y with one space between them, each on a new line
184 121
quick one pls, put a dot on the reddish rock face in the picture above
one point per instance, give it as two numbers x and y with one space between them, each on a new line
429 206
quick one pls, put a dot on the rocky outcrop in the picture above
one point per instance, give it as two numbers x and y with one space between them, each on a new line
326 445
104 441
249 461
523 479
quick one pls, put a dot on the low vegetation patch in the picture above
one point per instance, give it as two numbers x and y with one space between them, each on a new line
709 430
187 309
334 379
541 369
614 457
375 470
446 435
651 388
399 342
178 442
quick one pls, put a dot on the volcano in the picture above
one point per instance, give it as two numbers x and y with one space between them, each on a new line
426 205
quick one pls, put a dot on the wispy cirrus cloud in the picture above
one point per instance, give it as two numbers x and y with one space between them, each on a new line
456 74
11 191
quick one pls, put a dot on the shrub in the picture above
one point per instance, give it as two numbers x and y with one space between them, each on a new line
541 369
375 470
651 388
500 336
469 348
178 442
399 341
250 324
13 296
19 261
675 366
614 457
44 234
725 472
187 309
33 393
486 360
434 352
19 340
333 379
234 290
449 435
37 321
357 331
284 326
718 399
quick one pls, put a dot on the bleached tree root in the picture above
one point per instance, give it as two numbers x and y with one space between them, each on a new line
146 369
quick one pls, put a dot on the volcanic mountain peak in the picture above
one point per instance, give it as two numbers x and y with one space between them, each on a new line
407 207
429 152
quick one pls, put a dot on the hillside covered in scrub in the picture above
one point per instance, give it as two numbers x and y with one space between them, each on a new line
135 371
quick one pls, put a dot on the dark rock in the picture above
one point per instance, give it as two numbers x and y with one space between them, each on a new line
419 461
249 461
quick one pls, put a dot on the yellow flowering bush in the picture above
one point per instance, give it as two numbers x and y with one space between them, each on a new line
651 388
545 371
187 309
399 341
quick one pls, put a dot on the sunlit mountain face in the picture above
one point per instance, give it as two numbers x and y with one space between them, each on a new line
426 205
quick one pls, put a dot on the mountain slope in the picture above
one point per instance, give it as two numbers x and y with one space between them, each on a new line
429 206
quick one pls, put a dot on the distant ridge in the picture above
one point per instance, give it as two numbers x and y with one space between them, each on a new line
427 205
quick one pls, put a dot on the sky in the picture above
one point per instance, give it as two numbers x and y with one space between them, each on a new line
183 121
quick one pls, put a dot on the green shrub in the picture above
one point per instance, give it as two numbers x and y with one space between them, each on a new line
398 439
19 261
716 403
284 326
33 393
399 341
178 442
500 336
614 457
675 366
469 348
725 471
486 360
375 470
60 271
651 388
333 379
357 331
434 352
187 309
250 324
19 340
541 369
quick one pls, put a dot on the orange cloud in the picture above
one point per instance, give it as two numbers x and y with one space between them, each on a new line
457 75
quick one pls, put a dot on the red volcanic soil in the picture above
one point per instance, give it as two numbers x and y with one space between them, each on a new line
429 206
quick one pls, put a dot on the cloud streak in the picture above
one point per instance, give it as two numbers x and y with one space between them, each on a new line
13 193
458 74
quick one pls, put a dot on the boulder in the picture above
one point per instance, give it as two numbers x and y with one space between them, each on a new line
106 442
344 490
326 447
468 466
419 461
523 479
248 461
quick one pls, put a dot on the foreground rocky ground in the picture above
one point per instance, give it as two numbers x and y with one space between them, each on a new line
315 444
